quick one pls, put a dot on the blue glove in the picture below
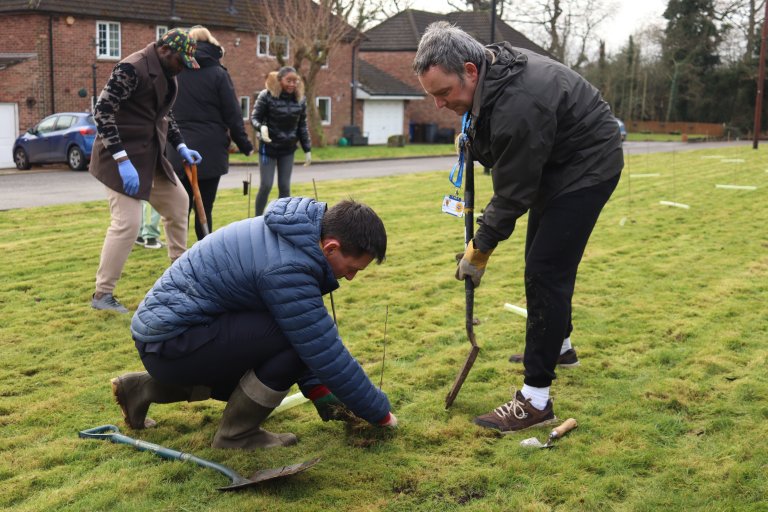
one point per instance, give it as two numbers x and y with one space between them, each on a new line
130 177
190 155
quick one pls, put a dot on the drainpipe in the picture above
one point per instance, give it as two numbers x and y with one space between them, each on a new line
354 85
493 22
50 64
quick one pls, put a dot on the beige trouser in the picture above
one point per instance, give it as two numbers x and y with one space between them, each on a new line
170 200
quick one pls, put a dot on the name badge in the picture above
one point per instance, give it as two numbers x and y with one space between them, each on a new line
453 205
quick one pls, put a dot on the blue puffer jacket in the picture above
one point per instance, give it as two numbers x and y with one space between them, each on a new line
271 263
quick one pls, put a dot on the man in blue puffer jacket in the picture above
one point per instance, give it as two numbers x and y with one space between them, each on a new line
240 317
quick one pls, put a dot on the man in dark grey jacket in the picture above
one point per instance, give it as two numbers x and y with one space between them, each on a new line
240 317
555 151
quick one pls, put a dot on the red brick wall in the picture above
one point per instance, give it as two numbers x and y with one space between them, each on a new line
28 84
398 64
24 83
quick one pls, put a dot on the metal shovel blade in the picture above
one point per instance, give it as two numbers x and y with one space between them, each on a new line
269 474
532 442
556 433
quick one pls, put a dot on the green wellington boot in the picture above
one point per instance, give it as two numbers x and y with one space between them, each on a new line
249 405
134 392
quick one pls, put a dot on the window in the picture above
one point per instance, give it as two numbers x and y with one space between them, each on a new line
160 30
262 46
107 40
267 46
245 107
65 122
324 109
322 55
47 125
279 45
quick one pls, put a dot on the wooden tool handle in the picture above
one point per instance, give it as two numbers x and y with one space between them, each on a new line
191 171
563 429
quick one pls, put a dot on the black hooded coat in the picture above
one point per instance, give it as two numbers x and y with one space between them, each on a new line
208 114
544 130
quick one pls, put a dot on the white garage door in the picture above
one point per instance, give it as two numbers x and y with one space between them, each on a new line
8 132
382 119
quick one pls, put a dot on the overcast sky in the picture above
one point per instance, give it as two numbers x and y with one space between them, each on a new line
631 15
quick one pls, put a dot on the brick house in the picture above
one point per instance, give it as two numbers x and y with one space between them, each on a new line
391 47
57 54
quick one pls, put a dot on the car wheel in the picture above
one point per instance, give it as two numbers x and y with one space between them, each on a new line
76 159
21 159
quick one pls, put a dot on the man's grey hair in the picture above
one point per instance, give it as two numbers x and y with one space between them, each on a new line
449 47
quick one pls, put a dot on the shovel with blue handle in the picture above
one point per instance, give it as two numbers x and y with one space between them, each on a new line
112 433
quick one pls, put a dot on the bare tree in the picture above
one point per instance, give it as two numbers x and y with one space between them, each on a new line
565 28
480 5
303 33
745 16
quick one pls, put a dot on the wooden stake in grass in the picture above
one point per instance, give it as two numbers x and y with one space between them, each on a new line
384 350
629 193
674 190
247 190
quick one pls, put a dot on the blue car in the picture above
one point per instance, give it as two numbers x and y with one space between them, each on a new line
64 137
622 129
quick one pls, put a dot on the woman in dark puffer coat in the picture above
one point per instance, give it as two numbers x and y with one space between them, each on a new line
280 119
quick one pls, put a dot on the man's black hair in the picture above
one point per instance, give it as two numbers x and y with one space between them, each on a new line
357 228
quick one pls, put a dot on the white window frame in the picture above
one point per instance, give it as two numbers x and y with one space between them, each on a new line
159 31
324 122
245 107
325 64
287 46
259 53
110 45
268 44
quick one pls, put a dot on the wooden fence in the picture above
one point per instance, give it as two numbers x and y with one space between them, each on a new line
707 129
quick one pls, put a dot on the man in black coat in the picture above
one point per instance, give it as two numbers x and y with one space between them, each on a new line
208 113
555 151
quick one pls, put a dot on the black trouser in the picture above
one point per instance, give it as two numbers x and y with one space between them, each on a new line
208 189
267 166
219 354
555 242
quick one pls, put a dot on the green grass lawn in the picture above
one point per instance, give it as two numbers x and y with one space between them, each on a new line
670 325
336 153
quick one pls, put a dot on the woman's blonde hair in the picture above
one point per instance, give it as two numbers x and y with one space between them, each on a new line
200 33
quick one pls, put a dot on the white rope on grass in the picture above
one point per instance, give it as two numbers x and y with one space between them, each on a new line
516 309
676 205
736 187
290 402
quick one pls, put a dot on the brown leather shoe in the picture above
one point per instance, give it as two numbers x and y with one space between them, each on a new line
517 415
567 359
